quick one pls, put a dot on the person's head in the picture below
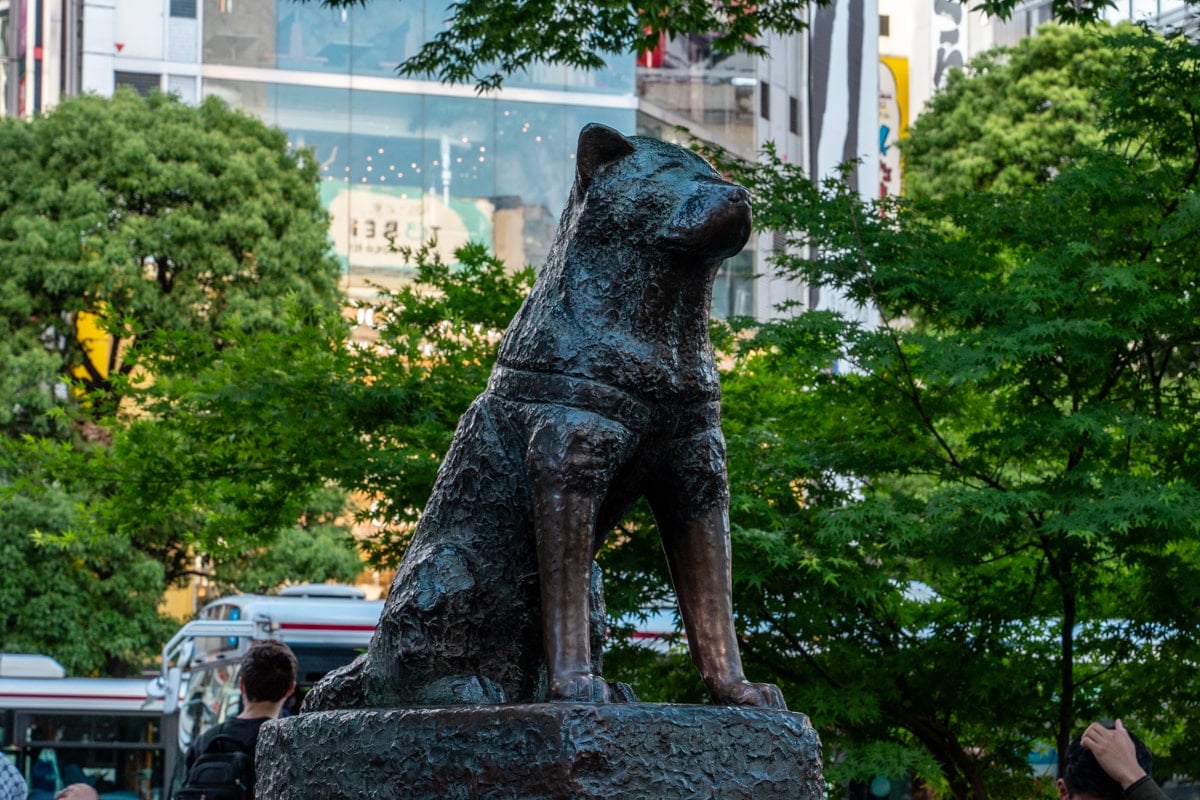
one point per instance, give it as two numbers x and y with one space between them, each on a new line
268 672
77 791
1084 778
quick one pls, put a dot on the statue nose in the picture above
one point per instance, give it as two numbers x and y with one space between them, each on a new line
739 196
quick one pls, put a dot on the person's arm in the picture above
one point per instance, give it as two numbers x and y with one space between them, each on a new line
1114 751
1145 789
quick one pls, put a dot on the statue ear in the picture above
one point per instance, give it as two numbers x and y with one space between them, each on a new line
598 145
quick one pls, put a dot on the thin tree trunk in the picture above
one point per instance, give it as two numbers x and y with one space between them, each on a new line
1066 702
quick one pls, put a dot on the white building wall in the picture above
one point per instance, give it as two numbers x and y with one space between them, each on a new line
139 36
784 73
844 119
99 46
140 29
946 34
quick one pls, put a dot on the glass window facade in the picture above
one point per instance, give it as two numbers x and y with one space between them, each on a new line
402 161
714 93
733 290
364 40
404 167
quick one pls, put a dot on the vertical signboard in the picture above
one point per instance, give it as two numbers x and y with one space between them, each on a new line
843 42
949 39
893 120
844 117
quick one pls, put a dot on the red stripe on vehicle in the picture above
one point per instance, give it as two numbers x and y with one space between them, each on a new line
307 626
135 697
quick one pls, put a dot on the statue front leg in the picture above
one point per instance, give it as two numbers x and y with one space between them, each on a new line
571 458
692 513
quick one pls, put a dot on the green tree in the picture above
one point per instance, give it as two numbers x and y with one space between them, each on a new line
159 218
180 234
975 533
319 549
234 453
90 601
1016 116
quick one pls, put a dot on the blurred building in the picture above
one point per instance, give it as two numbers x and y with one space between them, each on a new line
404 159
401 160
39 54
812 97
922 41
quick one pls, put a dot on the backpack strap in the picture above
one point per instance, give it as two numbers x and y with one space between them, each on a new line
224 743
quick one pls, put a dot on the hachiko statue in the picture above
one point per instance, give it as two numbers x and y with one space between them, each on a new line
605 390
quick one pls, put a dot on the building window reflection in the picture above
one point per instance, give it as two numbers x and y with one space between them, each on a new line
685 80
369 40
733 291
397 169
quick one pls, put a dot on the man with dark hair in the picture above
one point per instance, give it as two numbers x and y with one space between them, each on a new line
267 679
1108 763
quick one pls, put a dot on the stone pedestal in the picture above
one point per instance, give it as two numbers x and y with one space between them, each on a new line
537 752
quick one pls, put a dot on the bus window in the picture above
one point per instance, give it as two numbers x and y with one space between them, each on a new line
314 662
122 756
212 697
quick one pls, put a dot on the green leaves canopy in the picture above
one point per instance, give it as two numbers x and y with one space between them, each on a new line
967 540
162 218
187 232
236 451
1015 116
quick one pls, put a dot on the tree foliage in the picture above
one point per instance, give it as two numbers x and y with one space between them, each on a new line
319 549
160 219
235 452
89 600
1015 116
142 241
968 530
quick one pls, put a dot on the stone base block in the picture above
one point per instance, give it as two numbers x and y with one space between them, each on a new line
553 750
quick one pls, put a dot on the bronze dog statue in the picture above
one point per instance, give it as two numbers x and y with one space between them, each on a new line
605 390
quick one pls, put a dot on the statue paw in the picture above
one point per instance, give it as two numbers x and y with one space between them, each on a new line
745 693
582 687
619 692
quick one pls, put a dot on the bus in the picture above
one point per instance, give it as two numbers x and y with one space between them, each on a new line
325 626
109 732
128 737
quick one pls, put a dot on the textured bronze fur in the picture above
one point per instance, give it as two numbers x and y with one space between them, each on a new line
605 391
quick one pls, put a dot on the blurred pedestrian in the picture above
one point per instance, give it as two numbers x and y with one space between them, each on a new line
77 791
267 679
12 782
1107 762
1117 752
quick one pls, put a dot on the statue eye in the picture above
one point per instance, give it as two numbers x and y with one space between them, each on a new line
673 167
